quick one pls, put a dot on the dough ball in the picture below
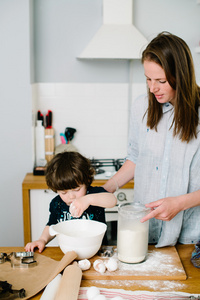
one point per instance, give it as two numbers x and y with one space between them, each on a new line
99 266
92 292
100 297
111 264
84 264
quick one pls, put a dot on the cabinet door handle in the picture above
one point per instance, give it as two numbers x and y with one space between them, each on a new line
47 191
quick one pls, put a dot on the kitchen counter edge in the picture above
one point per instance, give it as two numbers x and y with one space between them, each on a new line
38 182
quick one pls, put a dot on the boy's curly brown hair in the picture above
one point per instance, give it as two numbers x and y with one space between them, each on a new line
68 170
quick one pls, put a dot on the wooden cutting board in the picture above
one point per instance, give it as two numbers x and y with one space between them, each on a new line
160 264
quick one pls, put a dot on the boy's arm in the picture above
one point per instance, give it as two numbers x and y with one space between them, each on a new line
45 236
41 242
105 200
79 205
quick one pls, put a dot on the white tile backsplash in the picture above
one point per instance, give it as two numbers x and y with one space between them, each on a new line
99 112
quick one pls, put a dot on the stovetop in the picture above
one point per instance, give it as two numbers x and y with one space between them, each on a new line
106 168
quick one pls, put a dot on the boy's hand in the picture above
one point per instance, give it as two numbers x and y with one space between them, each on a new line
73 210
78 206
40 244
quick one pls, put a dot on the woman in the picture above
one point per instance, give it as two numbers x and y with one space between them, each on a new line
164 144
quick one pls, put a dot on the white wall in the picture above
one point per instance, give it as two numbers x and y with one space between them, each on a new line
15 120
93 95
64 28
98 111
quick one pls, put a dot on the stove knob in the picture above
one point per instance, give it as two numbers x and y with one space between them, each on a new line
121 196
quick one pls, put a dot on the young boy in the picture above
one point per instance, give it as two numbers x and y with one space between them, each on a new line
70 175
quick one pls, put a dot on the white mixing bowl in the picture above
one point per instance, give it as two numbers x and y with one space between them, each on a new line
82 236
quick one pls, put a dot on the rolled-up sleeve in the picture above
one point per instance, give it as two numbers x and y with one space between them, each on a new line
136 117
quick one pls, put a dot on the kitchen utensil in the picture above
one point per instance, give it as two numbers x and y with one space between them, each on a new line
6 291
63 138
3 257
69 133
23 260
35 279
49 144
106 251
49 119
51 289
132 235
19 259
70 283
82 236
40 144
40 117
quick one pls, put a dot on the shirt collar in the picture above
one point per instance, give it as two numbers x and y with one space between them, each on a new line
167 107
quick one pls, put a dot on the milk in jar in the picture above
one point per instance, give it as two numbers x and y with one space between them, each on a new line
132 235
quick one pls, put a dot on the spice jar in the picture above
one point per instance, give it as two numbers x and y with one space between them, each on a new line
132 235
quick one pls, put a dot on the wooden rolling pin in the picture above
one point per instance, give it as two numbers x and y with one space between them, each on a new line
51 289
70 283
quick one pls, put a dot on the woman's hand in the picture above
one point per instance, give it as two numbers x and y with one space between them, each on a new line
164 209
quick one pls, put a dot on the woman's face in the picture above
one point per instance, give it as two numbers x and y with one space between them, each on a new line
157 82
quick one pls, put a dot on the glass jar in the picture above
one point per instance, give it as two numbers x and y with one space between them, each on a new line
132 235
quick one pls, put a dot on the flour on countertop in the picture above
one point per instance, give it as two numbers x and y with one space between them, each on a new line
156 285
157 262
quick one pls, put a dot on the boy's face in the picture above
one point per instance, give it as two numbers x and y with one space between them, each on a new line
68 196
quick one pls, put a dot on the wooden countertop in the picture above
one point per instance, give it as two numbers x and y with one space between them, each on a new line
38 182
190 285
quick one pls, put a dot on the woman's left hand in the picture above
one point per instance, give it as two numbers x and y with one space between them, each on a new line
164 209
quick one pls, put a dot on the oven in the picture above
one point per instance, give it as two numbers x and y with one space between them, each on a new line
105 169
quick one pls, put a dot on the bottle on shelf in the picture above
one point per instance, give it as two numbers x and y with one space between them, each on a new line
40 144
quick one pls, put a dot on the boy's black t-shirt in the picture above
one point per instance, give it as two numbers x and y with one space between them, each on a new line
59 210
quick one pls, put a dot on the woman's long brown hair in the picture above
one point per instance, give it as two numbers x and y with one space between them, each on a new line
174 56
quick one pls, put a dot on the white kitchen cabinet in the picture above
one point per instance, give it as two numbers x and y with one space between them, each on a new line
39 210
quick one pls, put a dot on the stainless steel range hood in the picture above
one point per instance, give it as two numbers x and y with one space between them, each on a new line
117 38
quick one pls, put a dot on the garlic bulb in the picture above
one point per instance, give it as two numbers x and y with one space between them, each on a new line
111 264
92 292
99 266
84 264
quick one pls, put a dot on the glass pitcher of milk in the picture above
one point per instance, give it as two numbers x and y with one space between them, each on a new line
132 235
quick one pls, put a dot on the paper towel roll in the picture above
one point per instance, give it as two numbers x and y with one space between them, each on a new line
70 283
51 289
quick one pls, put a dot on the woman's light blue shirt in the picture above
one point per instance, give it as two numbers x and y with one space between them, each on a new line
165 167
